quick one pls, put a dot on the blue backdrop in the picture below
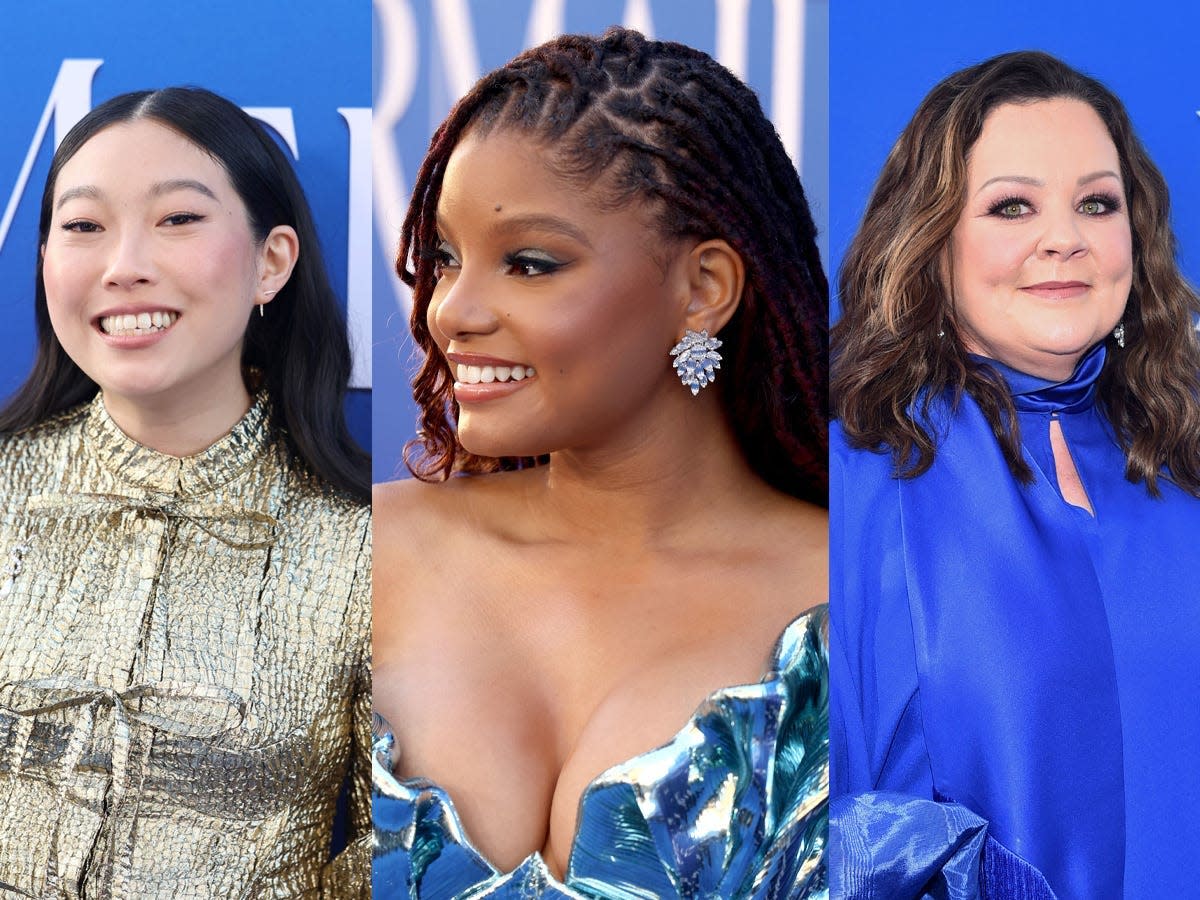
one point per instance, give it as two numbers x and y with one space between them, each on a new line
886 56
429 52
302 64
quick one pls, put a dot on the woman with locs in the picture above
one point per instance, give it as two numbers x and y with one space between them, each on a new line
591 547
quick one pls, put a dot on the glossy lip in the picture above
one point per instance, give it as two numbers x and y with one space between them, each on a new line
1057 290
133 341
477 393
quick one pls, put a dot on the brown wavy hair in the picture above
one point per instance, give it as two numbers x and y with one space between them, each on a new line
666 125
889 361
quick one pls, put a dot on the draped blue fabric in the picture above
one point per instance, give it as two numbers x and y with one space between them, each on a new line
736 806
997 647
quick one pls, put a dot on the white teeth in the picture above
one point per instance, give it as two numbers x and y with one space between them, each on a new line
491 374
130 324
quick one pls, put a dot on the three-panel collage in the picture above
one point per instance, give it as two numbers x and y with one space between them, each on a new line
600 450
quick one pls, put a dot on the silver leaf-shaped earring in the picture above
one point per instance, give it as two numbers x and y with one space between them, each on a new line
1119 334
696 359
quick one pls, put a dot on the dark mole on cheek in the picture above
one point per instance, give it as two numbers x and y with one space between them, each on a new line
498 207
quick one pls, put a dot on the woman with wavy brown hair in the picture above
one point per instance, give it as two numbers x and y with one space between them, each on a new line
1015 473
591 548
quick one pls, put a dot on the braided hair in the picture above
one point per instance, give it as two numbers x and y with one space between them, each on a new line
668 125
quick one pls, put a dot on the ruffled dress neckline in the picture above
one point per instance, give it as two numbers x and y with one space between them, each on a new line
734 805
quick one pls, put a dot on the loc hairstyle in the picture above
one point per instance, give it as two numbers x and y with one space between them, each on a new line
889 362
667 125
301 348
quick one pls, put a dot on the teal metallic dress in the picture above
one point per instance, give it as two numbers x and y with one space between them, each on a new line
735 806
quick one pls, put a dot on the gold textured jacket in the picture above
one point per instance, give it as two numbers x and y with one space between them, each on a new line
184 668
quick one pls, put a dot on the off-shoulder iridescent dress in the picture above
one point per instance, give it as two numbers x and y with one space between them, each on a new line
183 667
735 806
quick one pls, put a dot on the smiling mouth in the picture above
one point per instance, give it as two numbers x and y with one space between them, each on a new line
132 325
1057 290
492 374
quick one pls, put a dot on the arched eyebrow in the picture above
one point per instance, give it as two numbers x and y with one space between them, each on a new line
91 192
1037 182
528 222
1096 176
181 184
84 190
540 222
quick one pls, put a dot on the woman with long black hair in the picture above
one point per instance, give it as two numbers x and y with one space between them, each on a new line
185 534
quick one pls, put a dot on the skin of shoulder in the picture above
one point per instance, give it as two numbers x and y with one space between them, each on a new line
419 528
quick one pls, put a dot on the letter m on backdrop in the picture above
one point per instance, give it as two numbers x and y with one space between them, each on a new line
70 100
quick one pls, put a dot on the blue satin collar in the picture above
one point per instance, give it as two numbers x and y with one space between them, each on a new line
1037 395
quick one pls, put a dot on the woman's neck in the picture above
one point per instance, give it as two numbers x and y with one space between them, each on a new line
656 489
179 426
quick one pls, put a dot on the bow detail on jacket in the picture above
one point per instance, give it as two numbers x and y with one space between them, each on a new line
239 528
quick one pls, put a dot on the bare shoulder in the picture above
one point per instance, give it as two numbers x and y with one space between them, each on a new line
795 534
429 534
400 507
442 510
809 527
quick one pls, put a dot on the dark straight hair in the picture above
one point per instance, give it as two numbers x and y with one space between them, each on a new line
300 347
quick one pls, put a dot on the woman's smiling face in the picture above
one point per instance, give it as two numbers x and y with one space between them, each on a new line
151 269
1041 257
555 315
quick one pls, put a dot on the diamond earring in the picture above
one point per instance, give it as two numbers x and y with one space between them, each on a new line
1119 334
696 358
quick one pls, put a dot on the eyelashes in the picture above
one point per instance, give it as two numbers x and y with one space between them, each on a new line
527 263
1094 205
183 218
81 226
1101 204
531 263
1010 208
89 226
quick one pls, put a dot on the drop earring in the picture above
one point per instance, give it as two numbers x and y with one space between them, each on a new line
696 359
1119 334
